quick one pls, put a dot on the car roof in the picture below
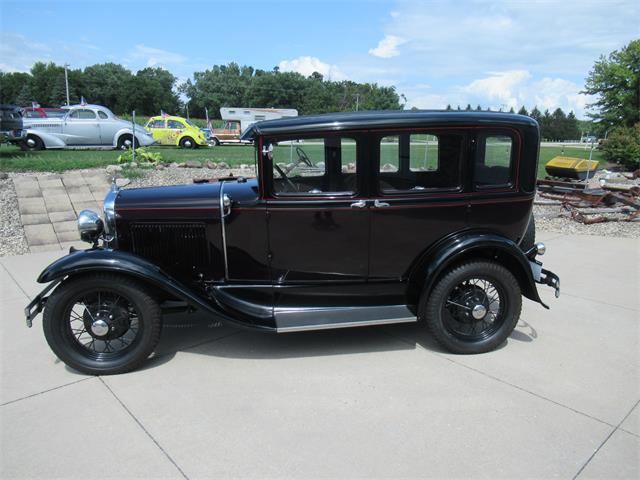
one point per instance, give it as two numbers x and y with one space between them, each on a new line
380 119
168 117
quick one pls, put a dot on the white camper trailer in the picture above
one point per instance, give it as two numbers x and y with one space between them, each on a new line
237 119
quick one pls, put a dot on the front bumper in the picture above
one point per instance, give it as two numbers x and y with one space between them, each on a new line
36 305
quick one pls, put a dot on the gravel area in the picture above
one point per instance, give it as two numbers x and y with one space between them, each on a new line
12 241
549 218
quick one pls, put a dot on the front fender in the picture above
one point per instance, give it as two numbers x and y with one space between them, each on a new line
50 140
469 245
117 261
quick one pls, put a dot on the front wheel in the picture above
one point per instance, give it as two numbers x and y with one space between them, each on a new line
102 324
126 141
473 308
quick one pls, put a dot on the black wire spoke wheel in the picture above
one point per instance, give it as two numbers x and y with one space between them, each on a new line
103 323
474 309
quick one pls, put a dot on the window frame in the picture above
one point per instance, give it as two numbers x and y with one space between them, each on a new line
376 140
267 177
151 122
181 127
481 145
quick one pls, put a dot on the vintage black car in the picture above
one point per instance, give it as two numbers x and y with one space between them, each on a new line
354 219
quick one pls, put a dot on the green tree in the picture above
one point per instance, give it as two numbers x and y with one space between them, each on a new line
623 146
109 84
12 85
151 91
615 81
523 111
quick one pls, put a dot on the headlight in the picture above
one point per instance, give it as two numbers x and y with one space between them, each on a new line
90 226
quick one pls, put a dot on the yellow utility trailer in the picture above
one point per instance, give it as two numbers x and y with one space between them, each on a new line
571 167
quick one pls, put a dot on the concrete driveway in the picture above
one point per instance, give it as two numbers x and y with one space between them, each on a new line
559 399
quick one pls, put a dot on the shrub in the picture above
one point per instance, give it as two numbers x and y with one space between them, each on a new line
623 146
142 156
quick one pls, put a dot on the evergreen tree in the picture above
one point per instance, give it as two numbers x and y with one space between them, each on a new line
523 111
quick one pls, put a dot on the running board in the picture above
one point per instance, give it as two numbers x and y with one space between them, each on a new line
305 319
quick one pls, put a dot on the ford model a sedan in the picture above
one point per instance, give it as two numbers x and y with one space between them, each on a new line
354 219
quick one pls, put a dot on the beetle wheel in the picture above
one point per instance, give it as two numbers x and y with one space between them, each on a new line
187 142
473 308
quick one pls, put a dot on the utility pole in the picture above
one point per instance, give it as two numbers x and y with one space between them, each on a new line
66 82
357 101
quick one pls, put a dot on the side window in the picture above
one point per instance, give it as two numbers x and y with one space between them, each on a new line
156 124
314 166
174 124
494 161
102 115
83 114
420 161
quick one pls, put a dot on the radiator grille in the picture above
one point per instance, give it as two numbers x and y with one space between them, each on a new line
180 245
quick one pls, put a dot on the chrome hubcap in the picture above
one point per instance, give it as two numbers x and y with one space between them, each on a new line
479 312
100 328
31 142
187 143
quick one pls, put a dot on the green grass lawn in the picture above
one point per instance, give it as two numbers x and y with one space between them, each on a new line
12 159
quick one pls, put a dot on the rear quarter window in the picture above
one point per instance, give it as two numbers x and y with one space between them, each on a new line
494 161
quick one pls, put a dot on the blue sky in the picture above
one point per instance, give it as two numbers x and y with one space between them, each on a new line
493 53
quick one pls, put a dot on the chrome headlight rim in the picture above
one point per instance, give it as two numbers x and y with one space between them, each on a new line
90 226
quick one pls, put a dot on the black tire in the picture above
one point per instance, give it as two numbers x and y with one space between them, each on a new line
443 317
188 142
529 238
124 141
32 143
215 142
133 301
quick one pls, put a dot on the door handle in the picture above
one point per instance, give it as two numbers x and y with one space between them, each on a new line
359 204
378 204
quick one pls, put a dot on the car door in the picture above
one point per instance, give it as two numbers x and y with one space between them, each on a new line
158 129
108 128
174 130
81 127
318 220
418 197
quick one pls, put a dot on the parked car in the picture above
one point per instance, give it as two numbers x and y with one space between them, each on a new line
178 131
83 126
11 127
44 112
372 219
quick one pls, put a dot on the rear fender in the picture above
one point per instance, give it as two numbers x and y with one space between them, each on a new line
117 261
472 246
50 140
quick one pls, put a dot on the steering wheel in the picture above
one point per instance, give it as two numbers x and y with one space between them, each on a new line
303 157
284 176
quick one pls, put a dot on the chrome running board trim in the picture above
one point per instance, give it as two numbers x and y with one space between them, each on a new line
306 319
330 326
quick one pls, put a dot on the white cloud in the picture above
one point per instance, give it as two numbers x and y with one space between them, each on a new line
387 47
504 90
306 65
19 53
503 87
156 57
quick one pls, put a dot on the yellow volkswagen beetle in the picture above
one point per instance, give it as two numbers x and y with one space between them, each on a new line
170 130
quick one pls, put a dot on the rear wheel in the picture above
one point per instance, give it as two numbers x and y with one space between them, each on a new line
187 142
102 324
32 143
215 141
473 308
